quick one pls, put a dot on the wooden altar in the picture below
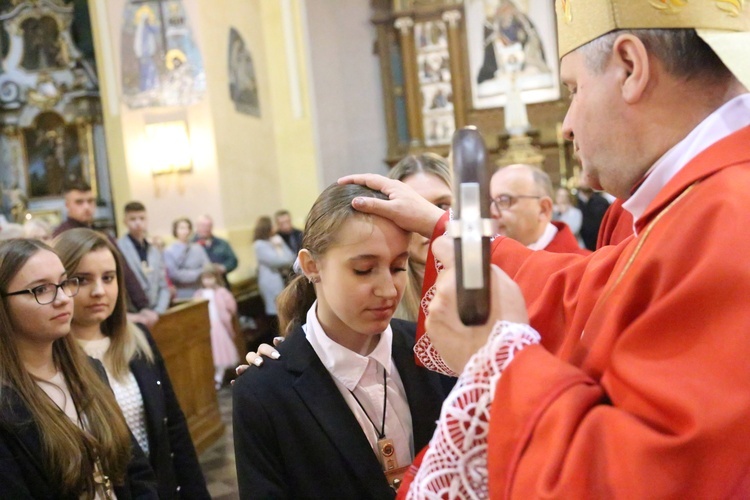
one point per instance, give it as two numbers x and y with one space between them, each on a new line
440 60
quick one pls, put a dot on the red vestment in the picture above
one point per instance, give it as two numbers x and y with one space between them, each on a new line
617 225
564 241
641 386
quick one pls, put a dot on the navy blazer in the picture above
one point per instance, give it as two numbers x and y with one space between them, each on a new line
23 472
295 436
171 451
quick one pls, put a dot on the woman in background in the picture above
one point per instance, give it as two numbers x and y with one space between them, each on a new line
274 258
430 176
61 432
133 363
185 260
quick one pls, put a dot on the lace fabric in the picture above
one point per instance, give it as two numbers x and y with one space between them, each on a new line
455 465
423 348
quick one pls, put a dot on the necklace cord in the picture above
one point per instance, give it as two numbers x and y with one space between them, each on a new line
381 433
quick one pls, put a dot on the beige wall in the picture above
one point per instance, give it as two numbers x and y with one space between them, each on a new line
243 166
349 113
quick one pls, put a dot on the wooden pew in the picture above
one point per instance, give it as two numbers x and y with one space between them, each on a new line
183 335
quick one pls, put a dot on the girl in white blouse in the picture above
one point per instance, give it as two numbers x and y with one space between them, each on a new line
134 366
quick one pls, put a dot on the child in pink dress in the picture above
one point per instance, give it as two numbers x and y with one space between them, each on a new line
221 308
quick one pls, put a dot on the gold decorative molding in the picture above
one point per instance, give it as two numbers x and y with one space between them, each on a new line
521 150
10 131
404 25
46 94
452 18
410 5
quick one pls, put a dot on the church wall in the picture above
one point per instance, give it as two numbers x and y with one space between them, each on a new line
288 73
166 197
244 165
346 84
247 165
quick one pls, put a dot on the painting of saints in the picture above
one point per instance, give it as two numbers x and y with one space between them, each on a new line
510 32
161 63
145 47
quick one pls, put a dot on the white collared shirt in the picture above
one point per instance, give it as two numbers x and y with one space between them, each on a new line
728 119
363 375
545 239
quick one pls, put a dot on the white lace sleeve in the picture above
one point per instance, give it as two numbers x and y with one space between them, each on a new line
455 466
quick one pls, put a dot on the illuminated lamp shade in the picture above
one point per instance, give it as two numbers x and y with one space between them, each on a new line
169 146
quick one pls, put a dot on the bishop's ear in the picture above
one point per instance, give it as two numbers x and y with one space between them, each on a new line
633 65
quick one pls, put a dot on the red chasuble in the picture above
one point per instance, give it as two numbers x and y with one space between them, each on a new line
565 241
641 386
617 226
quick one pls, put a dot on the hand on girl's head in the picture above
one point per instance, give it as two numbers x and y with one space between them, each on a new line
405 207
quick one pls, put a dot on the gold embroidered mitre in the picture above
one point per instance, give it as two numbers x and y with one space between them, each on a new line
723 24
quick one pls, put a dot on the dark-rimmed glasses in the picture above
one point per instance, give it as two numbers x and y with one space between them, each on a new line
46 293
505 201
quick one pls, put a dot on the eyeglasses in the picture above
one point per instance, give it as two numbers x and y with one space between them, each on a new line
505 201
47 293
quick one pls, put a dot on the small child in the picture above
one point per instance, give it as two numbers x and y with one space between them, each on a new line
221 308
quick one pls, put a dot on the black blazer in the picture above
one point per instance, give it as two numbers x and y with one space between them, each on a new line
295 436
22 470
171 451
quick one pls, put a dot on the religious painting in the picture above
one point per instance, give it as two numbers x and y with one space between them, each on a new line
53 157
512 46
161 63
12 181
433 65
42 46
243 85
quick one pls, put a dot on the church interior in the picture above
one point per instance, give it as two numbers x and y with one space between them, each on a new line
241 108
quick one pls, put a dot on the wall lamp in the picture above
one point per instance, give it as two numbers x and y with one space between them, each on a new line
169 143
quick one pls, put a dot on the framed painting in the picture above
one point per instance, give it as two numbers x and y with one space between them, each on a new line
243 85
161 63
511 42
53 157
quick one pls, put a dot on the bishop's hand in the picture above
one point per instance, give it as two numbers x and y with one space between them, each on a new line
454 341
407 209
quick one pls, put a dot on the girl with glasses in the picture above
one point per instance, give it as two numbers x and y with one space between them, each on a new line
134 366
61 432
